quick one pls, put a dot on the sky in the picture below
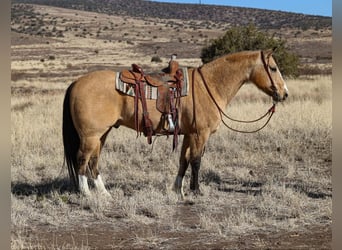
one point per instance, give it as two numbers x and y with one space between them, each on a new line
312 7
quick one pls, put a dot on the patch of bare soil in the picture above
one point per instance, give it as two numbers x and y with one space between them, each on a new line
23 91
124 235
25 39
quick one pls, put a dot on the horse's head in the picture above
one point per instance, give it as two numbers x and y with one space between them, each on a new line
267 77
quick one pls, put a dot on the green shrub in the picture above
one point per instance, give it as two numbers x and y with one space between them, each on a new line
156 59
250 38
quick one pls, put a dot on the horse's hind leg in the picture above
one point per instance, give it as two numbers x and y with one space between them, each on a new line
89 147
94 167
183 166
99 185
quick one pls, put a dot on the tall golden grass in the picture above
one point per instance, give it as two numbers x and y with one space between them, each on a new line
277 179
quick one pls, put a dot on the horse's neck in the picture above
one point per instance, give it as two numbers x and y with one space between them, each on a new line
226 78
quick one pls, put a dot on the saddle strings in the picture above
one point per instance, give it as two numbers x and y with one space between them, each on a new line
270 111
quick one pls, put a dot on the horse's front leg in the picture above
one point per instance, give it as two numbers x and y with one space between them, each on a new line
192 151
197 145
195 167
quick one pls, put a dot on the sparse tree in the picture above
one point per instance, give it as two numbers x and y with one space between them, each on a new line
156 59
250 38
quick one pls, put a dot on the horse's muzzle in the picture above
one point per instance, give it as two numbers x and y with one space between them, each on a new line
278 98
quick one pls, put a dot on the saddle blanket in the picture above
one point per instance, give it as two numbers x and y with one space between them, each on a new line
151 92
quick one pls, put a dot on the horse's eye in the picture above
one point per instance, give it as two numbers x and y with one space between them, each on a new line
273 69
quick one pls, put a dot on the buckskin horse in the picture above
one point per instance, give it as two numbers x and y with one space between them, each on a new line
92 107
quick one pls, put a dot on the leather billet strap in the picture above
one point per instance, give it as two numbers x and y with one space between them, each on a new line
175 94
140 94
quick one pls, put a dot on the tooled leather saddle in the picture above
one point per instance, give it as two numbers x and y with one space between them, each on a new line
169 85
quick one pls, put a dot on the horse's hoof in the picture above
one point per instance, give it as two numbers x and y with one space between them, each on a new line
107 195
179 193
197 192
85 194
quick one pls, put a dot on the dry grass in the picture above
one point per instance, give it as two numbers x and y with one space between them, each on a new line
276 180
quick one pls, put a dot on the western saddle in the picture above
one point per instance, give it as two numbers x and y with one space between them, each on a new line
169 84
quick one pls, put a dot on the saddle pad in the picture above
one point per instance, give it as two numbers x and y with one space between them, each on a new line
150 91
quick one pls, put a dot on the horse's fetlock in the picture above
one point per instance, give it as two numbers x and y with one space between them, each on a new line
196 162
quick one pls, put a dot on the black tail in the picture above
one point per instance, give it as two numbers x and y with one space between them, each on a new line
71 140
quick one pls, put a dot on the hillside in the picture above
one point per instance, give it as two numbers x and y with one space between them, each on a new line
265 19
191 28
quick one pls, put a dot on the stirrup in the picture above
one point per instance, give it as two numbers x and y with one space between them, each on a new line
171 124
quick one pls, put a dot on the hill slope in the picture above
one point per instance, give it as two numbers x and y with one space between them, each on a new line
105 35
265 19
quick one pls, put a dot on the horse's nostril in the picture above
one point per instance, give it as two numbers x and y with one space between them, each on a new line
286 95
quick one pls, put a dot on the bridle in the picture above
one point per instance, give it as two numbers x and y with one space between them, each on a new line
269 113
266 67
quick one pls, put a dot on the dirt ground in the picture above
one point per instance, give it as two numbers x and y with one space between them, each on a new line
125 235
105 237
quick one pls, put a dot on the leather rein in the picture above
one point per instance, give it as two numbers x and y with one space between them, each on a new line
269 113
